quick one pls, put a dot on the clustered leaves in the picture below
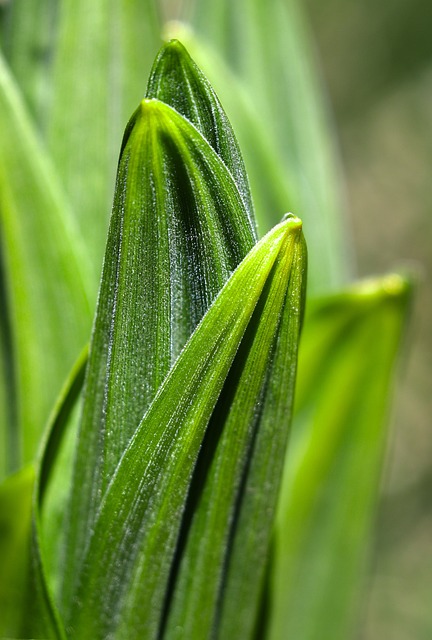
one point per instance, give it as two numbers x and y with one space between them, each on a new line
155 509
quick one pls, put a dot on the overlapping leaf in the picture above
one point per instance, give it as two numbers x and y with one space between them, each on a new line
45 271
179 228
125 574
177 81
218 582
346 365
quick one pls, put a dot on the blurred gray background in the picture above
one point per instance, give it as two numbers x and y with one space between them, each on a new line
376 59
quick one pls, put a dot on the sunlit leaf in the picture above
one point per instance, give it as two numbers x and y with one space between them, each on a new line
225 545
346 365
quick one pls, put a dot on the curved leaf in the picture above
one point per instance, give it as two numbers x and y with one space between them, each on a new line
15 521
178 229
346 364
272 189
42 619
226 535
127 565
45 270
177 81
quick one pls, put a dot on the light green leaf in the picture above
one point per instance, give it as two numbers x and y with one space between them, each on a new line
226 534
346 365
45 270
105 51
125 574
178 230
267 47
15 516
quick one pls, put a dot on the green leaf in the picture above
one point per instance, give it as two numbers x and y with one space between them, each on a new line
45 270
267 47
125 573
104 54
53 476
271 189
178 230
15 517
226 535
177 81
346 365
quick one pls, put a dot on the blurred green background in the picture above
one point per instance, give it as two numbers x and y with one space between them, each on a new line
376 59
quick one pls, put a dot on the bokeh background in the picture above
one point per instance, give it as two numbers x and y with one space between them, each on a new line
376 60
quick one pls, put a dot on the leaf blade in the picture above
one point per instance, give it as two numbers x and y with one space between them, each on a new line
179 227
332 478
49 322
151 482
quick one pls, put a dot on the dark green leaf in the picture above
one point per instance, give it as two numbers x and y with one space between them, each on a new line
179 228
177 81
126 569
272 191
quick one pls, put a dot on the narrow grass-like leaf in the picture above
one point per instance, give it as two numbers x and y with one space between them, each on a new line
232 503
45 273
266 45
346 366
115 43
179 228
42 618
15 517
177 81
126 569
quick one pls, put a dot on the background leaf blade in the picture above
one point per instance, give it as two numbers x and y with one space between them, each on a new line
49 319
333 467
